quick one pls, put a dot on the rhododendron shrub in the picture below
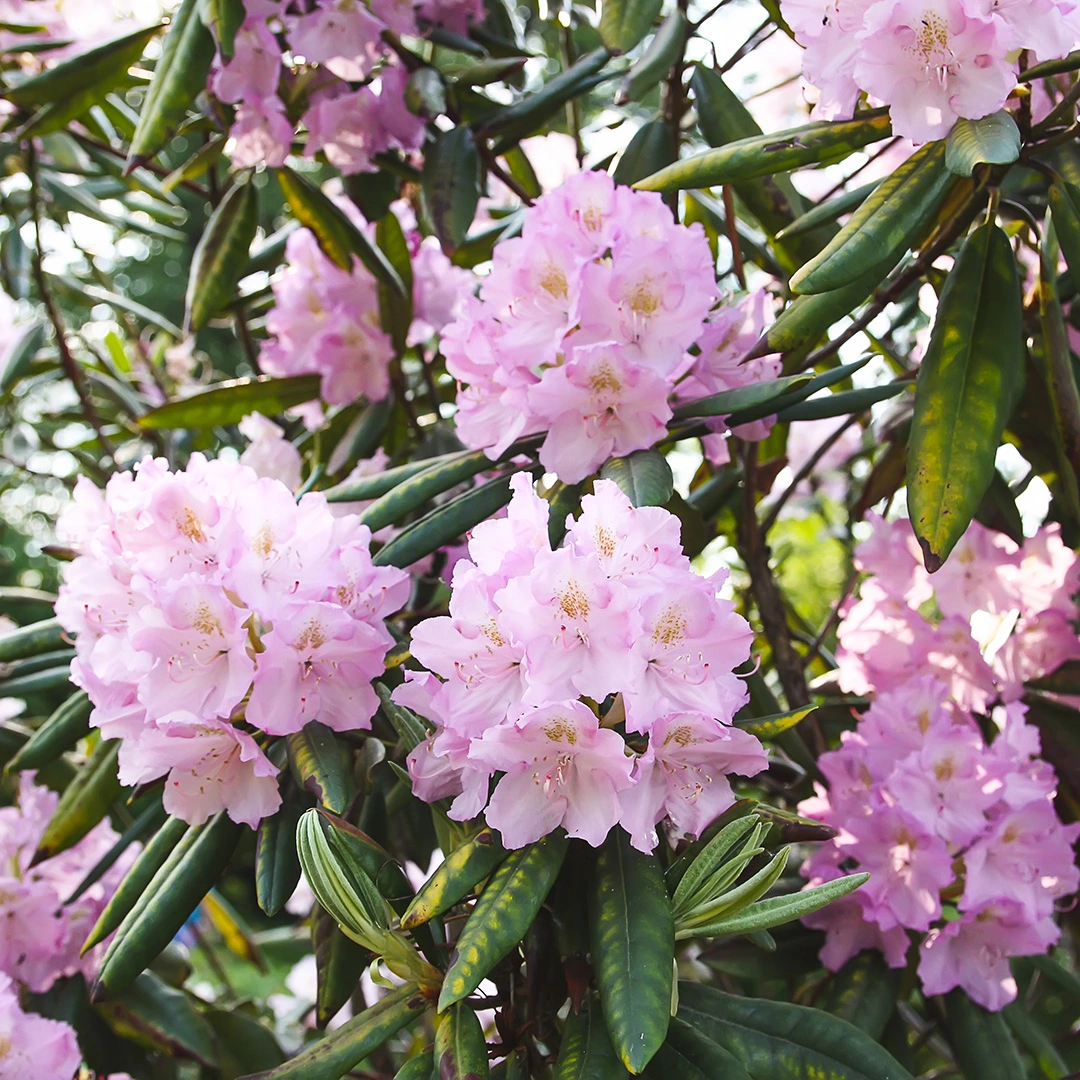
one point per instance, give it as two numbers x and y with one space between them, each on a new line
210 606
539 641
535 542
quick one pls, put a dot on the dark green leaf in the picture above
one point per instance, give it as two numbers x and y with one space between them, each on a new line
780 1041
763 155
651 148
503 914
450 186
885 225
179 77
743 398
460 1048
338 237
154 1015
321 764
21 355
223 19
277 866
664 50
586 1052
32 640
245 1045
223 251
229 402
863 992
63 729
456 876
624 23
334 1055
994 139
644 477
632 935
980 1041
85 801
966 388
846 403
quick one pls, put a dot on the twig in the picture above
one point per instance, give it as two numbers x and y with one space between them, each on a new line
760 35
496 170
755 553
243 332
67 361
733 237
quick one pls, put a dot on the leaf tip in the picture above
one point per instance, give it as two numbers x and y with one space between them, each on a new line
931 560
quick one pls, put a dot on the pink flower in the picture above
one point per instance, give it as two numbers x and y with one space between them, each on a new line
31 1045
560 769
455 15
972 952
933 64
208 768
595 406
268 452
261 134
341 34
254 70
683 776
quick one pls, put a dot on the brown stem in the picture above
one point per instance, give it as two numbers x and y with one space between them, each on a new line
733 237
755 553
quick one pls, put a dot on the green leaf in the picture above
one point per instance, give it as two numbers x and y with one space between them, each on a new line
63 729
632 935
339 963
777 910
365 488
32 640
664 50
624 23
846 403
801 392
229 402
154 1015
21 355
456 876
338 237
149 820
644 477
503 914
409 727
876 236
966 388
827 212
222 254
1036 1041
710 857
764 155
223 18
993 139
167 845
395 309
980 1040
743 398
168 901
863 992
586 1052
780 1041
705 1057
418 1067
95 71
84 803
245 1045
727 902
450 185
768 727
460 1049
342 1050
444 524
1064 679
432 479
321 764
1065 207
179 77
277 866
651 148
527 116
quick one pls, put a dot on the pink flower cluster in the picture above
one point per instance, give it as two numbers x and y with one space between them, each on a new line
208 603
325 320
31 1045
42 935
546 653
993 617
960 837
930 62
355 104
582 329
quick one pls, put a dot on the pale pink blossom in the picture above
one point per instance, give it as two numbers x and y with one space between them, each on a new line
31 1045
